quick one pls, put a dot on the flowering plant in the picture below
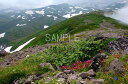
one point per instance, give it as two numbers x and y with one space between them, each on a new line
78 66
117 55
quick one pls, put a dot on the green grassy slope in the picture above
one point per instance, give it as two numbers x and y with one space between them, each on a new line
72 26
67 53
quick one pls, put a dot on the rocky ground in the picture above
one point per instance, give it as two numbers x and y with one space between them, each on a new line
106 30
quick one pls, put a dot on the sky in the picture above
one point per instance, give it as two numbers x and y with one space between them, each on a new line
41 3
121 14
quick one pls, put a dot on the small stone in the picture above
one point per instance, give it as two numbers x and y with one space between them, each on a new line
97 81
38 77
83 75
88 74
32 83
61 80
69 72
83 82
47 65
91 72
16 82
29 80
117 66
78 82
61 75
3 53
71 77
49 79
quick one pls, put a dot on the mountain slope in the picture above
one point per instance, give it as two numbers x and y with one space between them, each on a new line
71 26
20 23
100 53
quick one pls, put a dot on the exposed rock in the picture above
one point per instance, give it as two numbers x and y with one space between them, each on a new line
97 61
71 77
88 21
107 25
83 82
91 73
3 53
119 46
47 65
83 75
88 74
97 81
99 36
38 77
117 66
49 79
62 80
15 57
29 80
61 75
69 71
17 81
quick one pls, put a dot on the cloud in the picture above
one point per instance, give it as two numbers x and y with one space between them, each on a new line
24 4
121 14
42 3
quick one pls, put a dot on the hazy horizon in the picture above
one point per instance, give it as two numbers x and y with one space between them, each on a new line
30 4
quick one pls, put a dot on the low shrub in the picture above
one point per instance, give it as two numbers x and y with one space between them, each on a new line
67 54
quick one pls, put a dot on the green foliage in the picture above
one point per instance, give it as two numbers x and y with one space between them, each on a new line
59 55
22 69
71 26
67 54
111 77
54 81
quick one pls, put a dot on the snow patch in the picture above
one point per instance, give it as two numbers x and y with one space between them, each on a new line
23 17
1 47
29 12
77 7
73 10
93 9
67 16
40 12
8 49
46 26
49 15
55 18
2 35
107 8
20 25
33 17
18 16
72 15
71 7
22 46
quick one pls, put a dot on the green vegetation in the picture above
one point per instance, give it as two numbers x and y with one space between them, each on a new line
74 25
111 77
67 54
59 55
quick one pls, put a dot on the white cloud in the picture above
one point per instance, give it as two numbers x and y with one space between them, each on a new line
121 14
41 3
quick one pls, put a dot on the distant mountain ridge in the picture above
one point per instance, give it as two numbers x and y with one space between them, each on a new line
17 24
